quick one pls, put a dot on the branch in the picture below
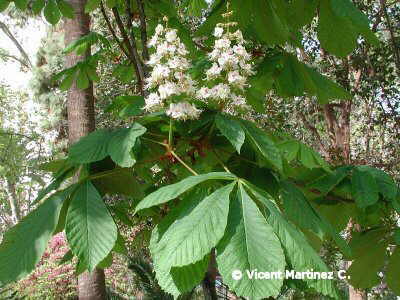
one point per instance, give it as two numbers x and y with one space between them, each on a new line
22 62
134 56
8 33
143 30
392 37
116 38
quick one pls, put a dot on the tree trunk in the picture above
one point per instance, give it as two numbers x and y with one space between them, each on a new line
208 283
80 107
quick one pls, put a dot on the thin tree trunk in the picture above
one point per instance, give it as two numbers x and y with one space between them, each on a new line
208 283
80 107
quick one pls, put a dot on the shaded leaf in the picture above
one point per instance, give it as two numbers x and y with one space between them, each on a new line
170 192
90 229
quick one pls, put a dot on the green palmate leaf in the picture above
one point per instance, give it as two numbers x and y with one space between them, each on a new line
247 239
127 106
125 73
4 4
265 21
82 80
232 130
91 5
392 273
293 149
340 23
24 244
191 274
396 236
300 211
51 12
86 41
299 254
55 184
66 9
121 182
121 144
188 277
37 6
301 12
195 233
90 229
364 188
68 80
328 182
91 148
263 144
292 78
21 4
387 186
364 269
173 191
179 280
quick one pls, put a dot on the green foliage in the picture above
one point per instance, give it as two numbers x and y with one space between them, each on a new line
127 106
52 12
121 143
392 274
364 188
173 191
23 245
248 237
263 145
90 229
232 130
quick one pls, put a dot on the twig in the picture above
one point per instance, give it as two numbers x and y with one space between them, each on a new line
8 33
220 161
116 38
392 37
184 164
134 56
143 30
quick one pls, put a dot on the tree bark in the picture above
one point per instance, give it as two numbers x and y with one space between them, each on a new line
209 289
80 107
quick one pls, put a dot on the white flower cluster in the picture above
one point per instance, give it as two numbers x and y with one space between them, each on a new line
230 70
169 76
226 79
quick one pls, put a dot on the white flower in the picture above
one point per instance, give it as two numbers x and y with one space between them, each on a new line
168 89
171 36
221 91
154 59
222 43
183 111
239 36
153 41
241 52
213 55
236 79
159 29
218 31
153 102
162 49
204 93
182 50
213 72
227 60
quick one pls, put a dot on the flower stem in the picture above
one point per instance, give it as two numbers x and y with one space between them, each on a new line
184 164
157 142
221 162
